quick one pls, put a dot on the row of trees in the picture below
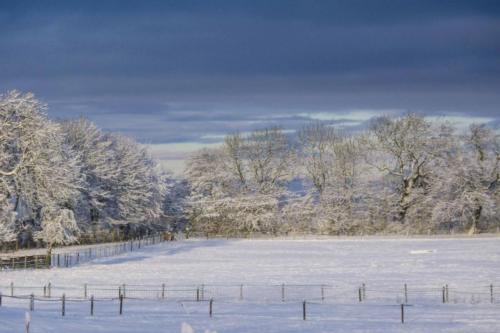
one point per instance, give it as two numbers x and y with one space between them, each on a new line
62 181
401 175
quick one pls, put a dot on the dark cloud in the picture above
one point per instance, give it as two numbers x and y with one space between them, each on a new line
177 71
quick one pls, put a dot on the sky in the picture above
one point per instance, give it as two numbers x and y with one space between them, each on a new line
178 75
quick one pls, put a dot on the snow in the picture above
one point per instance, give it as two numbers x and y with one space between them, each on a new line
305 266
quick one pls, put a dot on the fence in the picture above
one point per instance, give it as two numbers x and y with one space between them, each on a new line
24 262
322 300
71 258
78 255
405 294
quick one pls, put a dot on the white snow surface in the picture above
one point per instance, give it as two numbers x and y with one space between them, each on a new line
309 269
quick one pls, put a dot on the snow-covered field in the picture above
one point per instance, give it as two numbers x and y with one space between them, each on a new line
327 273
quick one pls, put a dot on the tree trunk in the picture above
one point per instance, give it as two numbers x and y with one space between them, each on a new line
475 220
48 257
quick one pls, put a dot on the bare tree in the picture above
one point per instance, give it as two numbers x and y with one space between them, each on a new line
404 148
317 143
269 155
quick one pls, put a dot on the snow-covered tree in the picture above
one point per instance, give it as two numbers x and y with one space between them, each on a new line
59 181
37 169
317 142
405 149
465 192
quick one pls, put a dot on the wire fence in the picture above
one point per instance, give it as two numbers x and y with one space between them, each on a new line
126 301
323 293
78 255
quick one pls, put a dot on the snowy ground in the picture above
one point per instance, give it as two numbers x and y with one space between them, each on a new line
325 273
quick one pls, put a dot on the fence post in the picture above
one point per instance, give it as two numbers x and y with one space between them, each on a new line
12 289
447 298
304 310
49 288
85 290
406 294
360 296
491 293
364 290
163 290
27 321
402 313
202 292
0 298
121 304
198 294
32 302
63 308
444 295
58 260
283 292
119 291
210 307
241 292
92 305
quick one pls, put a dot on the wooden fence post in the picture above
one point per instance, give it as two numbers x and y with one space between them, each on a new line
304 310
444 295
163 290
121 304
402 313
32 302
92 305
49 289
210 307
360 295
491 293
406 294
197 294
27 321
63 308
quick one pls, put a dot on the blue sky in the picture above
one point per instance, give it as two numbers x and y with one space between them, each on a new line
179 74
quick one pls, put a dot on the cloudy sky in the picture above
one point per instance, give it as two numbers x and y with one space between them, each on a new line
177 75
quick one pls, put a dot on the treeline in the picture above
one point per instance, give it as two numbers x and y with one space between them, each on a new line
401 175
64 182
